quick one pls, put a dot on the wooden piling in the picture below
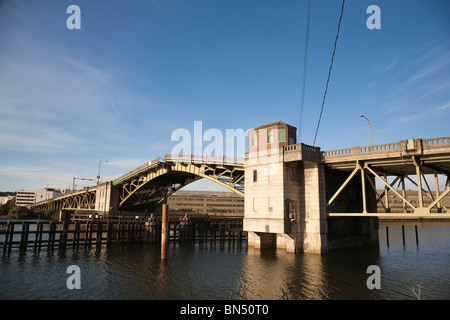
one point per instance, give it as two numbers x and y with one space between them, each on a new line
109 231
98 241
49 238
8 230
387 235
76 234
417 236
63 236
90 226
36 236
164 231
403 234
24 236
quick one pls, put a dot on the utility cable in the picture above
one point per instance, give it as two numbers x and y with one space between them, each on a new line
329 72
305 60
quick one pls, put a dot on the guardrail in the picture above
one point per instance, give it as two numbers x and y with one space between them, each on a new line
182 158
380 148
411 145
138 169
436 143
201 158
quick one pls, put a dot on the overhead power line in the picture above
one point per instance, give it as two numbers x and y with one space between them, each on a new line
329 72
305 60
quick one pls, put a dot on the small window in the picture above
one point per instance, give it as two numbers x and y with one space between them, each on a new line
269 136
270 204
255 175
282 135
254 139
292 173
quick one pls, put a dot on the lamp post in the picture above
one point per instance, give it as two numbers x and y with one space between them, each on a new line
73 182
368 123
98 175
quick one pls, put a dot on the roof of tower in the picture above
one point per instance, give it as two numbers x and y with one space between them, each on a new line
277 123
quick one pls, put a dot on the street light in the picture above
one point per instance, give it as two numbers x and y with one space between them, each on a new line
368 123
73 182
98 176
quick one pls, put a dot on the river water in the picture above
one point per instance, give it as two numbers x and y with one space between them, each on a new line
235 272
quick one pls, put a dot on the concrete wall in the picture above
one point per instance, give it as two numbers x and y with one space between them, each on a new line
315 239
264 198
287 200
106 197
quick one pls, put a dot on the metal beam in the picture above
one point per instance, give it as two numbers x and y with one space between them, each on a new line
439 198
349 178
393 189
363 185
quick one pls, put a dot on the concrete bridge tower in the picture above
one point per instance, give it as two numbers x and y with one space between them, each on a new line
285 198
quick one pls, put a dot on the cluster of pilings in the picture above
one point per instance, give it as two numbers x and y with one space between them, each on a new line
162 229
38 234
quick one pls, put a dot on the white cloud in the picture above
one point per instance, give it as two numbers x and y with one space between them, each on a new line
444 106
437 65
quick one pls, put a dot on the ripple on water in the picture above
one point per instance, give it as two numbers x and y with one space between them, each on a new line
202 272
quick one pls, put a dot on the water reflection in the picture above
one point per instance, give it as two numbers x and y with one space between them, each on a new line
200 272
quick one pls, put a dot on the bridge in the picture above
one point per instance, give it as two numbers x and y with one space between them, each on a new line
408 160
145 187
307 200
296 196
390 164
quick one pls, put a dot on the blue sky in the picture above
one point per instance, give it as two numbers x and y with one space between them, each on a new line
137 70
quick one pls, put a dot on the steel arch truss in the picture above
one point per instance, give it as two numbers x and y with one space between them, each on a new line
80 201
148 187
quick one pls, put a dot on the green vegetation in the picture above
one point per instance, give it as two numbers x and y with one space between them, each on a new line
50 215
11 211
7 193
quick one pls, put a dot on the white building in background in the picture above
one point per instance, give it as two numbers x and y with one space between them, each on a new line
25 197
5 199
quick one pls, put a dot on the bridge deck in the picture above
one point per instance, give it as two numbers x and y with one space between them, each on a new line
434 155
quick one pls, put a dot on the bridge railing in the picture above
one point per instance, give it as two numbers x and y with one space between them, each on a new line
436 143
140 168
417 145
356 151
201 158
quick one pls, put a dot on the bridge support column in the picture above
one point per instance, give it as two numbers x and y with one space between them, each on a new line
64 215
261 240
285 197
314 224
106 197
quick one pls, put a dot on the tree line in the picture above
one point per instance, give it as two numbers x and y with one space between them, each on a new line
11 211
